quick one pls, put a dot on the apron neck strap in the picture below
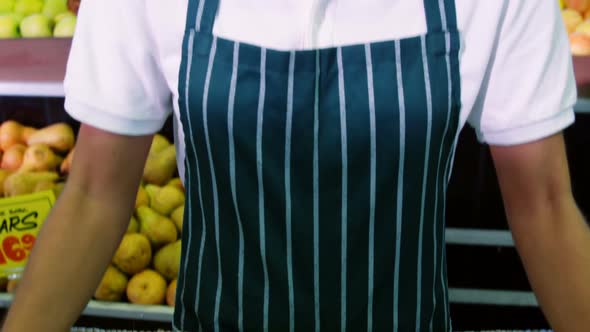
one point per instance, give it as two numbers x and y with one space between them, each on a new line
441 15
201 15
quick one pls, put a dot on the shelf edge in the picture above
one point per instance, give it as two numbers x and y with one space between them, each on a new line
116 310
28 89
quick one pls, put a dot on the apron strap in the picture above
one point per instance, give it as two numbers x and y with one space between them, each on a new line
441 15
201 15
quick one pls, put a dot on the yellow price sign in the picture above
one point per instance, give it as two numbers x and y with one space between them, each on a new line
21 218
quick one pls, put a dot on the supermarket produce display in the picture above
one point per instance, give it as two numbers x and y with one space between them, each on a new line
37 18
576 16
146 263
30 157
145 266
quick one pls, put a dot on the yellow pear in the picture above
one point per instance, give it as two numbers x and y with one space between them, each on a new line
12 132
176 182
134 253
147 287
141 198
178 217
167 260
59 136
133 226
39 157
171 294
158 229
160 166
22 183
166 200
159 143
112 286
151 190
3 175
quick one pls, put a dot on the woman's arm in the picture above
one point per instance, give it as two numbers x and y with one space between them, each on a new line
82 232
549 230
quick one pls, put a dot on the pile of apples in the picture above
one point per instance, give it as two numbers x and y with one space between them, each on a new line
36 19
576 16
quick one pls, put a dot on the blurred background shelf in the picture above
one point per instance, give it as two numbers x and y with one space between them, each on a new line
583 105
479 237
33 67
492 297
31 89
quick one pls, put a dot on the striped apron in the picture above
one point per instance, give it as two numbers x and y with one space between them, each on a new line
316 181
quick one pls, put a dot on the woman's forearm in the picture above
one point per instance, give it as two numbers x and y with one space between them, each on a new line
74 248
554 244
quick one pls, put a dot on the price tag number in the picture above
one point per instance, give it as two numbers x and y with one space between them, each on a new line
16 249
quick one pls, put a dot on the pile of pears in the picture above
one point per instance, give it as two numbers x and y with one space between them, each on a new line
36 19
145 267
34 160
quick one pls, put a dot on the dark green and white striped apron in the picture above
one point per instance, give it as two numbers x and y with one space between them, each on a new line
316 181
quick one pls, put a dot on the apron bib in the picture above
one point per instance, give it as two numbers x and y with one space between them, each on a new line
316 181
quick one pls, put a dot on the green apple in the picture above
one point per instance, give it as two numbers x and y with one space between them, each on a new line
54 7
6 6
65 27
28 7
35 26
8 27
63 15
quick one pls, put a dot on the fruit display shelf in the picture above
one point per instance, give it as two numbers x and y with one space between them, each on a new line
33 67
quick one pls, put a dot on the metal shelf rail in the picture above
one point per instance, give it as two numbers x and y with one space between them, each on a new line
153 313
582 106
31 89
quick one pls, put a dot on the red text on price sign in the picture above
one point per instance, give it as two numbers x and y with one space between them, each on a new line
16 249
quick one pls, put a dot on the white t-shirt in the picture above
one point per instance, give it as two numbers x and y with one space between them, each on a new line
517 80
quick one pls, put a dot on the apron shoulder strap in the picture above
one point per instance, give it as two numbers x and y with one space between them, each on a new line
441 15
201 15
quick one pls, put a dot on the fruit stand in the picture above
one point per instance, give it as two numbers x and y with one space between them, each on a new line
31 73
31 93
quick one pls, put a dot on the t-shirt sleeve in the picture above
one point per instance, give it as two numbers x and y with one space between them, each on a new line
114 80
529 91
